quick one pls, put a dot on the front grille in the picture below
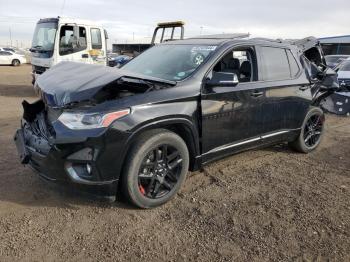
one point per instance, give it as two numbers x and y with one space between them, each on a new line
39 69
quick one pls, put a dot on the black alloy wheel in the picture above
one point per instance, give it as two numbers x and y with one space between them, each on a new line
159 171
313 130
155 169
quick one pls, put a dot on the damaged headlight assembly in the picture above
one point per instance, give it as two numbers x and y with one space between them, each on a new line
80 120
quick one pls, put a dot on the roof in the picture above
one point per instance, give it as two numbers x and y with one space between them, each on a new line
68 20
335 39
331 37
222 36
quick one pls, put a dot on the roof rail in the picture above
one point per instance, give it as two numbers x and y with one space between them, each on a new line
222 36
278 40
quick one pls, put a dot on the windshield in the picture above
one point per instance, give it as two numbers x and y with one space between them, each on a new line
345 66
170 62
44 36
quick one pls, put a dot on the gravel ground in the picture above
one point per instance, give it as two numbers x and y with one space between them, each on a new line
264 205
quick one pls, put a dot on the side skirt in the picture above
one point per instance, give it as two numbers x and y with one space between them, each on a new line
237 147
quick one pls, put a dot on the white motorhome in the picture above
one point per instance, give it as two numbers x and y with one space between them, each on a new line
66 39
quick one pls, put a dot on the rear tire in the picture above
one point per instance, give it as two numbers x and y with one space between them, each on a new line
16 62
156 168
311 132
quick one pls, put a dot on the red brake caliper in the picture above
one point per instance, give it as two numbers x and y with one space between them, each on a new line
142 190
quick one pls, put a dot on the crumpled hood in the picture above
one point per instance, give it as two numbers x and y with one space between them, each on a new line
69 82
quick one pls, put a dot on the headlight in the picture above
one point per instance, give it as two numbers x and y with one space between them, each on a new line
79 120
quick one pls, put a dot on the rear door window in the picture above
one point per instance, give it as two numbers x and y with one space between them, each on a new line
275 65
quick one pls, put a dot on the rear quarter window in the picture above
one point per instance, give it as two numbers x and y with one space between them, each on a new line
275 65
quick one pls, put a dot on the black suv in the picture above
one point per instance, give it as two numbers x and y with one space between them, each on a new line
177 106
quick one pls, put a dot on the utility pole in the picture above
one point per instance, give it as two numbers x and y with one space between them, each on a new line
200 32
10 37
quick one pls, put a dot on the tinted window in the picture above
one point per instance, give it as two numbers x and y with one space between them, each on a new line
294 68
96 40
344 49
4 53
335 59
9 49
275 63
239 61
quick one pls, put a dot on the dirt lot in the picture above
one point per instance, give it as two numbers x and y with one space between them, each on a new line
264 205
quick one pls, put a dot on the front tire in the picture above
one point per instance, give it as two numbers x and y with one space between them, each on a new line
311 132
156 168
15 62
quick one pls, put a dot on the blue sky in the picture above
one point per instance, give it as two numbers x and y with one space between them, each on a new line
123 19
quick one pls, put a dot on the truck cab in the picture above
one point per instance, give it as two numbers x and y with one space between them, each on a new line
66 39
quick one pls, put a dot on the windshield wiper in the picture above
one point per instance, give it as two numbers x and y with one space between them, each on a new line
39 49
135 80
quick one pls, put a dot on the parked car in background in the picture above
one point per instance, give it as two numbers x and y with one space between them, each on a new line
343 70
10 58
141 128
9 49
334 60
119 60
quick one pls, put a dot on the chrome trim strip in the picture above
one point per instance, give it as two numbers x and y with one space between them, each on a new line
275 134
231 145
220 148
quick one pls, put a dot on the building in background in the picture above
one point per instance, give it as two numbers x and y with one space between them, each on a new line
336 45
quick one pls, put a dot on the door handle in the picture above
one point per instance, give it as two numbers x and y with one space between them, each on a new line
85 56
303 88
256 94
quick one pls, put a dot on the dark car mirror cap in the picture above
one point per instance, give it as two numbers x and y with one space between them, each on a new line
222 79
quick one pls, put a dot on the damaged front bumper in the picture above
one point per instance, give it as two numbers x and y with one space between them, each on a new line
83 160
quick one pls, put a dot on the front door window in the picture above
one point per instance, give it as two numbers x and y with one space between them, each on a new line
70 41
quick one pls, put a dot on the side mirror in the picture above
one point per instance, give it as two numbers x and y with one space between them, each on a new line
223 79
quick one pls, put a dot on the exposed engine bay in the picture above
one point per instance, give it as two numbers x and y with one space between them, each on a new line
69 83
